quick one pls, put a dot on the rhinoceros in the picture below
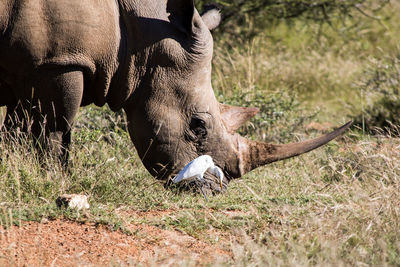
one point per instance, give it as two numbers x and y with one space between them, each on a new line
151 58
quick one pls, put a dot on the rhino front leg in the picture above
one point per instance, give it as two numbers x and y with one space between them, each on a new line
57 96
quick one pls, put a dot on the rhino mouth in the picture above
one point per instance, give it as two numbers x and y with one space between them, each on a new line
209 185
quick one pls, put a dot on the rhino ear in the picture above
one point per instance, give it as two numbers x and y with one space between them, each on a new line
211 16
234 117
181 14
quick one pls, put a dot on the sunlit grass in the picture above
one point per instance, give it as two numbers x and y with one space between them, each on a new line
336 205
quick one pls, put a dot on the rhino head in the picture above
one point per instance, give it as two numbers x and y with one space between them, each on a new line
173 115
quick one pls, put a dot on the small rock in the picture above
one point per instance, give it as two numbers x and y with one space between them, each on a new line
73 201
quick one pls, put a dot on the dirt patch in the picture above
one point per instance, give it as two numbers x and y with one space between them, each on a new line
66 243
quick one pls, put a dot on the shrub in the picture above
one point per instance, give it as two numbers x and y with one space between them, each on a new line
380 96
281 114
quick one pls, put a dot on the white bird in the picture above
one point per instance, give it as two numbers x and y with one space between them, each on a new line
196 169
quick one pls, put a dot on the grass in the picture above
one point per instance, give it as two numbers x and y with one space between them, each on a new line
321 64
336 206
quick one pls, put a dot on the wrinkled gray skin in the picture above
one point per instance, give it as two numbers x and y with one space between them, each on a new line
150 57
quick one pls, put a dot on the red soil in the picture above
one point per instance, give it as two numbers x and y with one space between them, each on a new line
66 243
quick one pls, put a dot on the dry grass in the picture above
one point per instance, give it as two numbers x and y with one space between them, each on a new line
349 217
338 205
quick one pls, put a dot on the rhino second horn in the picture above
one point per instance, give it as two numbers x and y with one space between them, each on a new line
253 154
234 117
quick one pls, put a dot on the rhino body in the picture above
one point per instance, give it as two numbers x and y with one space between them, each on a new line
151 58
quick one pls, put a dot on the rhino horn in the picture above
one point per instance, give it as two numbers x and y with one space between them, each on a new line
234 117
253 154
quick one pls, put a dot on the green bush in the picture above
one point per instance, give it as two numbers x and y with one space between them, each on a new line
380 97
281 114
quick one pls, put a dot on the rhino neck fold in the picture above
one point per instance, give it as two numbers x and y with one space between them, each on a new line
141 27
122 83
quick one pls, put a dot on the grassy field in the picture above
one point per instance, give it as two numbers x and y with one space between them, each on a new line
336 206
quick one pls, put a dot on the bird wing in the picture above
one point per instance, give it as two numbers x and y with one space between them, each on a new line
187 172
194 168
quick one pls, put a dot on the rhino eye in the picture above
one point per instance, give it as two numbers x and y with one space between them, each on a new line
198 127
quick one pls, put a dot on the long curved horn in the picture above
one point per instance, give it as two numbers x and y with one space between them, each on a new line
254 154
